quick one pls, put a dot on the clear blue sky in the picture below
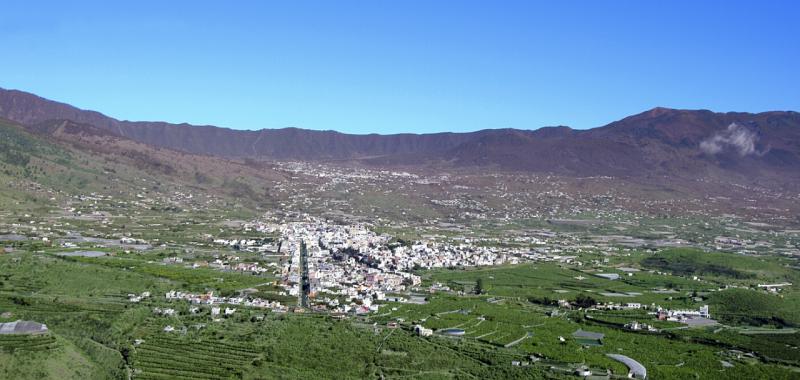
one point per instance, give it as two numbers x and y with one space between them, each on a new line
402 66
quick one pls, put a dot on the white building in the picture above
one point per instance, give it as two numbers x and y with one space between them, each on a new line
422 331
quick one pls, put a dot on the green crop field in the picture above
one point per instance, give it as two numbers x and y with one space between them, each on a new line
515 319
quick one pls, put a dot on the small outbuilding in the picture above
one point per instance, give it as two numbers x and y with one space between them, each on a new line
608 276
635 369
453 332
588 338
22 327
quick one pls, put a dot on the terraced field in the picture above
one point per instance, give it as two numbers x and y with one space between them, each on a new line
167 358
22 343
43 307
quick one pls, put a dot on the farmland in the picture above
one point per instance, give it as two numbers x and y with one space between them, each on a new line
144 272
498 319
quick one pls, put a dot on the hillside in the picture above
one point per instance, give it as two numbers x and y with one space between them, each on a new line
48 163
661 142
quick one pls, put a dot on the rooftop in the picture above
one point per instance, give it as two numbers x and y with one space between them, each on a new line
22 327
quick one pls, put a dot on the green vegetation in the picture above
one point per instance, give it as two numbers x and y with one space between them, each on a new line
554 281
750 307
198 279
687 262
27 343
161 357
497 324
508 313
44 357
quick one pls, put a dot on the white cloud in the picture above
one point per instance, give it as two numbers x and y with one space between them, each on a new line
735 137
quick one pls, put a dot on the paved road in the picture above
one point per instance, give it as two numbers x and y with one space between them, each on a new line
305 284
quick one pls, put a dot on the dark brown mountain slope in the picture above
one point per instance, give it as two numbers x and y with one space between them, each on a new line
287 143
661 142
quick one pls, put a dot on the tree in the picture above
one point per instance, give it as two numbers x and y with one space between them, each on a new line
584 301
479 286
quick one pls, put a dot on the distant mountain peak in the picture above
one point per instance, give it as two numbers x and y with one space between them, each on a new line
658 111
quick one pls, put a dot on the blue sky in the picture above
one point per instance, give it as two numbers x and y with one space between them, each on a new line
402 66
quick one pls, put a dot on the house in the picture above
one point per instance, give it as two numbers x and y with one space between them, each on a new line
165 311
422 331
583 372
215 311
702 312
636 326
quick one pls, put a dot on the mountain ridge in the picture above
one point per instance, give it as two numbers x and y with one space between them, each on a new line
659 141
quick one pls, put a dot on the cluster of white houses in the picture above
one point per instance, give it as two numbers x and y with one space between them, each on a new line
663 314
226 263
210 299
682 315
350 267
340 276
440 255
